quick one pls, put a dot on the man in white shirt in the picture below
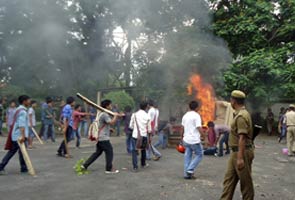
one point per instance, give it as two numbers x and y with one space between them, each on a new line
140 123
192 130
154 116
32 123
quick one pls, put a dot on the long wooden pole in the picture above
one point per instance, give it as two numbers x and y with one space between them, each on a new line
26 157
88 101
37 136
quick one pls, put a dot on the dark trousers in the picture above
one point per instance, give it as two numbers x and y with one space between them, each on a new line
134 154
223 140
62 148
102 146
10 154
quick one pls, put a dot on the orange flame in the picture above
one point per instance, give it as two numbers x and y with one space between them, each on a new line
205 94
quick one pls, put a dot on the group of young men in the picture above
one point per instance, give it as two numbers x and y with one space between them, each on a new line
143 125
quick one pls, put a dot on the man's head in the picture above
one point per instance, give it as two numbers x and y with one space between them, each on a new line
71 101
128 109
49 101
107 104
237 99
151 103
211 124
33 104
24 100
78 107
292 107
143 105
172 120
12 104
194 105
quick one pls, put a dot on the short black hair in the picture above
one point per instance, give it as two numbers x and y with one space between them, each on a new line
151 102
33 102
77 106
12 101
143 105
193 105
211 124
105 103
240 101
70 100
172 119
23 98
49 100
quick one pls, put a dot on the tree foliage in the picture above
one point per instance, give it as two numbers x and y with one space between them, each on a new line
121 98
261 37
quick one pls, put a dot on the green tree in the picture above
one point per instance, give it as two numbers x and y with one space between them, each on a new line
121 98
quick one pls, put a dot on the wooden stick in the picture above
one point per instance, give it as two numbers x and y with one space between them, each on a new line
26 158
88 101
37 136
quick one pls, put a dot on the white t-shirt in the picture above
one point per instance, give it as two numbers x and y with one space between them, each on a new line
154 116
143 121
191 121
31 112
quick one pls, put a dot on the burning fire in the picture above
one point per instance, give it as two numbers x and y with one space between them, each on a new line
204 93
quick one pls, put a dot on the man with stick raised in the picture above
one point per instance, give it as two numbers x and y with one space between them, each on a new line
103 142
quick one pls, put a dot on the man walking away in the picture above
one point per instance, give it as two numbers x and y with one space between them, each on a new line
191 134
20 132
104 144
240 141
290 121
127 130
140 123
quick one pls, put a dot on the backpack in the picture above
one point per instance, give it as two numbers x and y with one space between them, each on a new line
94 130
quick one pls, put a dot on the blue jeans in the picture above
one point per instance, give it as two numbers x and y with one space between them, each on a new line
283 132
10 154
76 134
49 129
223 140
128 142
191 163
151 149
162 140
134 154
83 126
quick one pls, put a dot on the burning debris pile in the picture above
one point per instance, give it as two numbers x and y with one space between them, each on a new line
204 93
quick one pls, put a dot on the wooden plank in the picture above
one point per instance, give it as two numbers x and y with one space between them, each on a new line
37 136
27 159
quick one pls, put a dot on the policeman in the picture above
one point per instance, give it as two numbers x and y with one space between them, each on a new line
240 141
290 121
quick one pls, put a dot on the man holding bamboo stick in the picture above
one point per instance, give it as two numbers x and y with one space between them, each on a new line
20 131
67 119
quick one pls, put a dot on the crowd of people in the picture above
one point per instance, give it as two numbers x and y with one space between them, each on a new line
140 128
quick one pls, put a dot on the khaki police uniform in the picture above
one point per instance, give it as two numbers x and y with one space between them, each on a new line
290 121
241 124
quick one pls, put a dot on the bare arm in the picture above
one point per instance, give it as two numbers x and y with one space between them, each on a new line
114 120
31 120
23 136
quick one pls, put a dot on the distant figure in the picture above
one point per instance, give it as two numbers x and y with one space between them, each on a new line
269 121
118 123
165 129
282 127
93 113
257 122
10 113
222 132
48 118
77 117
127 130
191 135
32 123
153 113
20 132
1 115
83 123
43 107
290 121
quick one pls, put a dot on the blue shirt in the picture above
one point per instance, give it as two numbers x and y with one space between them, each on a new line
22 121
44 107
67 112
49 116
